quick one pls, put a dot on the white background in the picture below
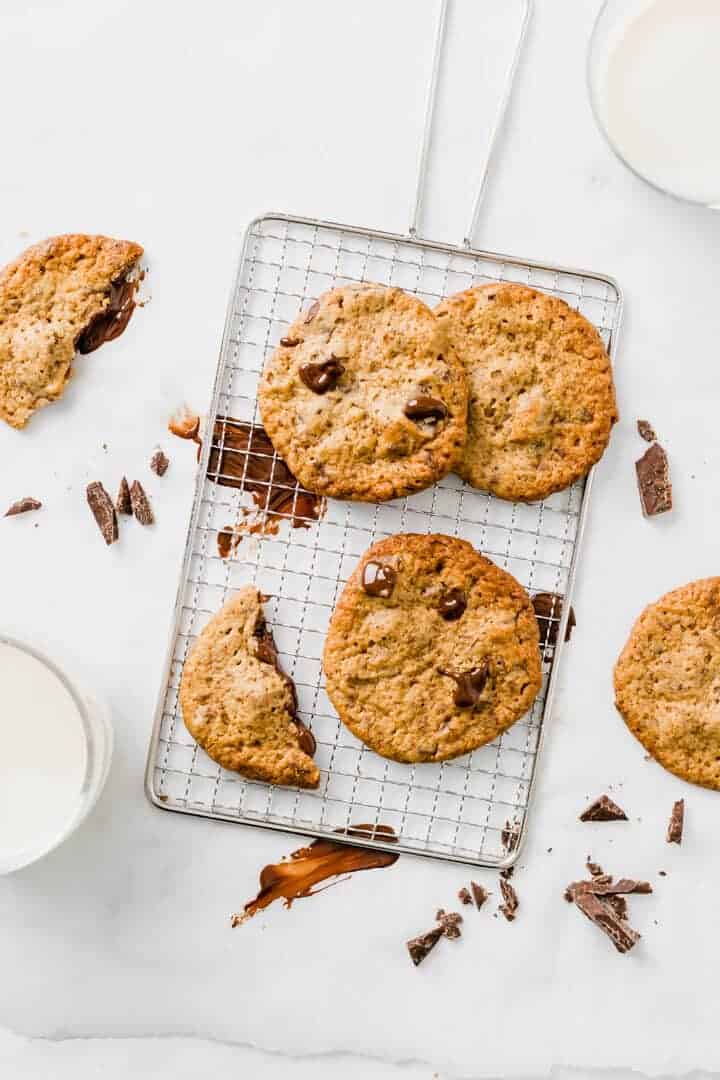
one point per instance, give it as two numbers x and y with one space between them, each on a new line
174 125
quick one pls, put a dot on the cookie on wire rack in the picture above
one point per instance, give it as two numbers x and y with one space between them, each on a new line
667 681
542 400
432 649
363 397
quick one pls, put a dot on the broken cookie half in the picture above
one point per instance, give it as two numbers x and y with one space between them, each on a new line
238 703
66 295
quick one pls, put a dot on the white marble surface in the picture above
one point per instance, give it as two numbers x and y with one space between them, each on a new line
175 125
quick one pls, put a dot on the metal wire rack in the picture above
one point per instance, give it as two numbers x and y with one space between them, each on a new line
472 809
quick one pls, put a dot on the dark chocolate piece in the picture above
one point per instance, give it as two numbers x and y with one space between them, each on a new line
159 463
322 377
605 886
464 896
594 869
140 504
511 900
103 511
424 407
449 923
510 835
266 652
469 685
452 604
507 873
548 611
22 506
378 579
480 894
603 809
654 481
646 431
676 823
123 504
420 946
602 914
312 311
289 342
112 320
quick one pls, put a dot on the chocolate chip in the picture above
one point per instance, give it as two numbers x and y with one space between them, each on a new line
419 947
653 479
378 579
676 823
140 504
312 311
424 407
289 342
322 377
548 611
123 504
22 506
646 431
159 463
103 511
452 604
469 685
603 809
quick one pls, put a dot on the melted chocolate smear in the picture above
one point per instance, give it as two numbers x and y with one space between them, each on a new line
548 611
424 407
243 457
378 579
227 540
322 377
309 866
266 652
110 323
452 604
469 685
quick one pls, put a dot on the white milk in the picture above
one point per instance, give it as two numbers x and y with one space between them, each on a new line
660 94
43 758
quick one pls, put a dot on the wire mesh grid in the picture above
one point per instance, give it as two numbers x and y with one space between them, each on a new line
459 809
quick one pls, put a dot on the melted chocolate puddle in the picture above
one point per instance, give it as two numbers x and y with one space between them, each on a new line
307 867
243 457
110 323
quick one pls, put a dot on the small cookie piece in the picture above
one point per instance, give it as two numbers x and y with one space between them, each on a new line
542 401
363 398
666 681
66 295
413 685
239 705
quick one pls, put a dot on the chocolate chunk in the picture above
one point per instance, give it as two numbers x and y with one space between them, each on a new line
140 504
601 913
511 900
646 431
452 604
123 504
424 407
322 377
22 506
469 685
159 463
112 320
312 311
449 923
548 611
603 809
605 886
675 825
510 835
289 342
507 873
654 481
103 511
480 894
378 579
464 896
420 946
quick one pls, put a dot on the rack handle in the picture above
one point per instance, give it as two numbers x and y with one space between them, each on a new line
495 132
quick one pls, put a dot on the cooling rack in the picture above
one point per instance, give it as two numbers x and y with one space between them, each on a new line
473 809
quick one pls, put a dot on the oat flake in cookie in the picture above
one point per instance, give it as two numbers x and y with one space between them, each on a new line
394 664
363 397
667 681
65 295
238 703
542 400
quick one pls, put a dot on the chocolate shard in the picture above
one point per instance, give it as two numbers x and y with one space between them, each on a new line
22 506
601 913
548 612
676 823
123 505
507 873
510 835
140 505
159 463
464 896
603 809
594 869
479 893
646 431
449 923
653 479
511 900
420 946
103 511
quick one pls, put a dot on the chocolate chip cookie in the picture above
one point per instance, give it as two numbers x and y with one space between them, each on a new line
432 650
238 703
66 295
667 681
363 397
542 400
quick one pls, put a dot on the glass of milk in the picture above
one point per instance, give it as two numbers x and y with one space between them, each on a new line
654 75
55 749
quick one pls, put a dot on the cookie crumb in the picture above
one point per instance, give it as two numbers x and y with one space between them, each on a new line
449 923
140 504
603 809
676 823
103 511
22 506
159 463
419 947
123 504
510 835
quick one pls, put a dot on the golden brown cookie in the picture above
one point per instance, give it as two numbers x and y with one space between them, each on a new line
667 681
363 398
237 702
432 650
542 400
66 295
